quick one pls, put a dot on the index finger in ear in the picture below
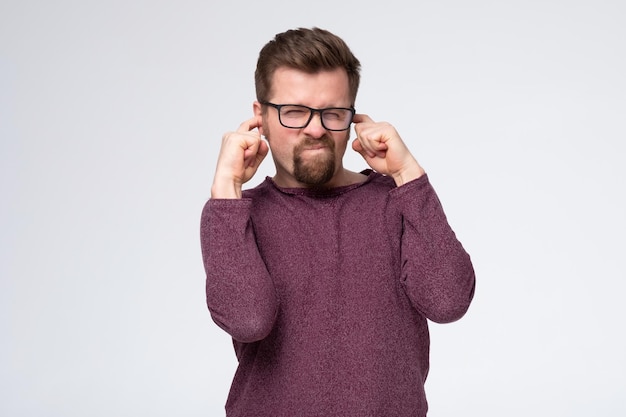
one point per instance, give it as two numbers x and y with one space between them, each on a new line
249 124
362 118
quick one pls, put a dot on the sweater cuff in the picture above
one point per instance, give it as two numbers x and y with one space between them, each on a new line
420 184
229 203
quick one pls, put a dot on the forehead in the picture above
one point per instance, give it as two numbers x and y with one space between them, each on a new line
319 89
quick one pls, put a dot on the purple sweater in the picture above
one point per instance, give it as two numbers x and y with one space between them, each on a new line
326 295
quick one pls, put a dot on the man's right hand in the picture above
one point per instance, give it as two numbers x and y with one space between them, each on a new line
241 154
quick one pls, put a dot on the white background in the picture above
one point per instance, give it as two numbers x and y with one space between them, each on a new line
111 115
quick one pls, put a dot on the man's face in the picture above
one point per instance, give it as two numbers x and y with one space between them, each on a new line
312 155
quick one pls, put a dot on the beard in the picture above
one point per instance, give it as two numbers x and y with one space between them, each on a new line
317 170
313 171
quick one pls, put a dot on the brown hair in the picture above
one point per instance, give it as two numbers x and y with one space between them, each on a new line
308 50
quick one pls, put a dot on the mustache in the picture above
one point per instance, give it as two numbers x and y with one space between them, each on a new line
309 141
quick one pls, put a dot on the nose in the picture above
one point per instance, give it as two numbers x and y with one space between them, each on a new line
315 128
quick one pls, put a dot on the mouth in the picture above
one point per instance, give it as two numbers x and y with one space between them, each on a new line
316 147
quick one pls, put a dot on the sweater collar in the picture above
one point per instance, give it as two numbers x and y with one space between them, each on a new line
322 191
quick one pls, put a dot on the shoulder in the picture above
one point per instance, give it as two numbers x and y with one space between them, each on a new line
379 182
261 190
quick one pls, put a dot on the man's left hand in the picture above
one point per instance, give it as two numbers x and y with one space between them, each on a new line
384 151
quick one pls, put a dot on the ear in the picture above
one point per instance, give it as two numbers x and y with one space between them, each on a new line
257 108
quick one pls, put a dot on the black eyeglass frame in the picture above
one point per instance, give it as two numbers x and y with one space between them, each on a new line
312 111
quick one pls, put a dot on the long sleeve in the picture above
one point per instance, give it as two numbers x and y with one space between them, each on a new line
335 288
240 293
437 273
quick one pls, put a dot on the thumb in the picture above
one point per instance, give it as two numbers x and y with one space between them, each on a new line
356 145
255 156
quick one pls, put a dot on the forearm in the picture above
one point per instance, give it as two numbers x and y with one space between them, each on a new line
240 293
437 273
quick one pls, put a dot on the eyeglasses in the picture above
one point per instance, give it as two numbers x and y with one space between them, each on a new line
295 116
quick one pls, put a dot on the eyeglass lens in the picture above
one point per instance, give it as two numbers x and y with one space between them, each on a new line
299 117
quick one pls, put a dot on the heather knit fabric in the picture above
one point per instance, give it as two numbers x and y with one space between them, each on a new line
327 293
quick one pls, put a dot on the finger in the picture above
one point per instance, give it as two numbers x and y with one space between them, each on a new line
263 149
358 148
255 153
357 145
249 124
251 147
362 118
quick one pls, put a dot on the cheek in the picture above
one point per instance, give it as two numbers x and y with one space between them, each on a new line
281 146
341 140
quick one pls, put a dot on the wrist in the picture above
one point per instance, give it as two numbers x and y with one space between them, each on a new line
410 173
224 188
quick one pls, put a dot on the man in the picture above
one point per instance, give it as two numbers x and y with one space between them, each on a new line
325 278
